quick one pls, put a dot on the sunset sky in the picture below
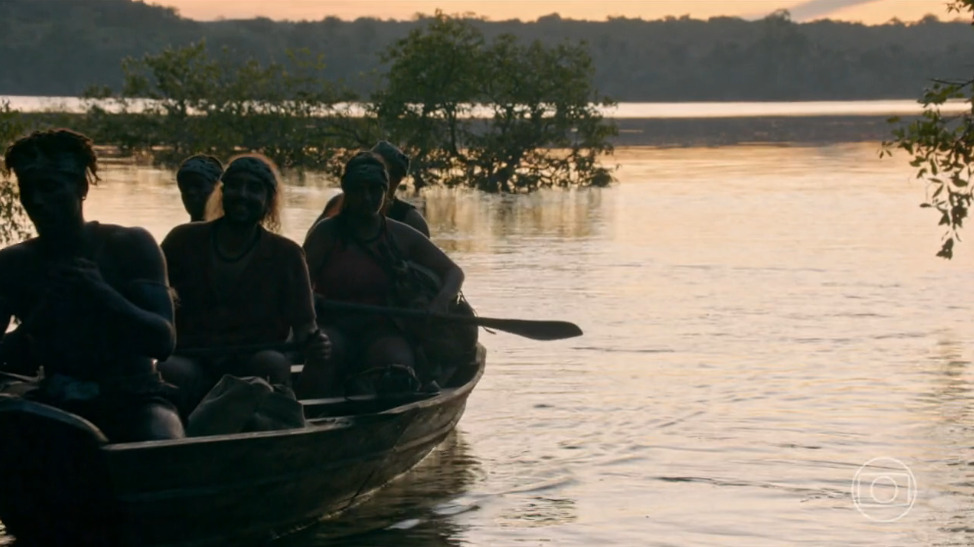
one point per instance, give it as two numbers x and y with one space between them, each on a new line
866 11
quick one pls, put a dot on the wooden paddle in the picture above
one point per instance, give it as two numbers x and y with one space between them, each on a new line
528 328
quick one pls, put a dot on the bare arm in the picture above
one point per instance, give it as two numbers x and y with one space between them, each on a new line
15 344
140 303
425 253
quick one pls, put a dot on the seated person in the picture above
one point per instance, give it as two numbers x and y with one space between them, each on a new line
92 299
237 284
353 258
397 165
197 178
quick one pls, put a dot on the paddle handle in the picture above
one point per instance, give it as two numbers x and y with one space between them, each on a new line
529 328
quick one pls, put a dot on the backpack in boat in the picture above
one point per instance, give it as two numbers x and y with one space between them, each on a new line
384 381
238 405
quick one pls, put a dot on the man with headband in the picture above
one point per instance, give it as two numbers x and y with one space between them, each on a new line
397 165
94 306
197 177
239 284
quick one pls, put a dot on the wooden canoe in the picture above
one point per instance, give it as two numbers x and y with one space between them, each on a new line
61 482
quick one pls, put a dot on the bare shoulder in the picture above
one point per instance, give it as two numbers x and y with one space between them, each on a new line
132 251
127 233
15 259
127 238
18 251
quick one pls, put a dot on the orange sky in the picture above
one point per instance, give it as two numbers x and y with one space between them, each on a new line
866 11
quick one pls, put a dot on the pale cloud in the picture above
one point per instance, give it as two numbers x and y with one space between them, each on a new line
821 9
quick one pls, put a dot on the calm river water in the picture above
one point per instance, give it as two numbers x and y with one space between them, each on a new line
760 324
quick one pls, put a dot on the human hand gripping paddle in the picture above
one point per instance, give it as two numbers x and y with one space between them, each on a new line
528 328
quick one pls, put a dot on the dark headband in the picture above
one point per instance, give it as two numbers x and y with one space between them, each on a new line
397 161
201 166
251 166
364 172
64 163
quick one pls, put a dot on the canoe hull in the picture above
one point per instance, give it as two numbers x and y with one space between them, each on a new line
63 484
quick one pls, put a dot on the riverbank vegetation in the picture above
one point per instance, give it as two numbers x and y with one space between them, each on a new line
496 114
14 225
942 148
189 100
60 48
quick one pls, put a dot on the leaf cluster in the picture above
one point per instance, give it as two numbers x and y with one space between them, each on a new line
183 101
14 225
942 150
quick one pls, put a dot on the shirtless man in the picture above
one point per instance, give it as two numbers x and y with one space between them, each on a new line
92 299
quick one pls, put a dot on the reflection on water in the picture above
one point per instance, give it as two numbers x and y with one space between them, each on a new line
470 223
759 323
415 510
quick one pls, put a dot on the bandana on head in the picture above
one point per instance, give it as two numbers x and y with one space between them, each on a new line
201 166
397 161
365 172
63 163
251 166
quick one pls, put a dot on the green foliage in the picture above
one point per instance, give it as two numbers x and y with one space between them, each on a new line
184 101
942 150
499 116
58 48
14 225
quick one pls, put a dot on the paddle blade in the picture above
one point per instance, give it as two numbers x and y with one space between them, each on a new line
528 328
535 330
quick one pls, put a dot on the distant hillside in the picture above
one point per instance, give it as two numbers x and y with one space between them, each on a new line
60 47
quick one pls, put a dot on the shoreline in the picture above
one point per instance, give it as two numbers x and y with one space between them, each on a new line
677 132
686 132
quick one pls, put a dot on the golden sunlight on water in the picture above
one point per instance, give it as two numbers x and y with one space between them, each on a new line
760 323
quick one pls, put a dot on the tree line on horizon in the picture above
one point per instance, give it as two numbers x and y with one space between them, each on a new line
495 114
63 47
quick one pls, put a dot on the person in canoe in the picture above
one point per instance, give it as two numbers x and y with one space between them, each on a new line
197 177
92 299
353 257
397 165
239 284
